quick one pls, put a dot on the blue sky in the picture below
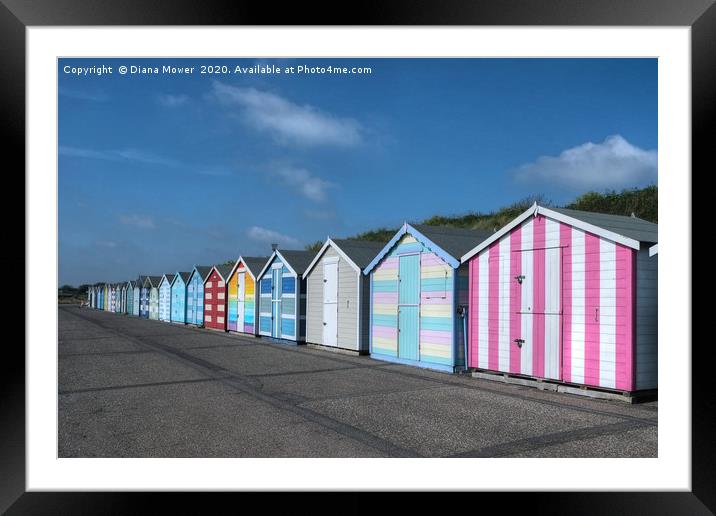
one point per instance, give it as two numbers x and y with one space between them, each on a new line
159 172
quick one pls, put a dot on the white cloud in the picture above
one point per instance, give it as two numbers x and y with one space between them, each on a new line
309 186
84 95
615 163
139 221
268 236
118 155
286 121
169 100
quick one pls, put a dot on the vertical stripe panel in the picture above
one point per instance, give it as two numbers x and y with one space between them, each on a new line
482 350
527 298
565 236
607 314
592 287
553 301
538 336
504 308
515 298
624 302
577 295
494 305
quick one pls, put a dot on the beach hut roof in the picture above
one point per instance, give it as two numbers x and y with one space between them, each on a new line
358 253
626 230
447 242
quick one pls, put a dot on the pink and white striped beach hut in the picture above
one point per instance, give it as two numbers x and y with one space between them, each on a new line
568 296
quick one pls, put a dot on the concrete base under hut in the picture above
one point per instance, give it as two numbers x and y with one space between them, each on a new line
579 390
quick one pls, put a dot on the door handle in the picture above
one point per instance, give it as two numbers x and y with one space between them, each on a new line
324 324
519 342
596 314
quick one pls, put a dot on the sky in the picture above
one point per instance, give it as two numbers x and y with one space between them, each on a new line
161 171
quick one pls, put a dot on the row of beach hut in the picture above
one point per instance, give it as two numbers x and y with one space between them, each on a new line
557 294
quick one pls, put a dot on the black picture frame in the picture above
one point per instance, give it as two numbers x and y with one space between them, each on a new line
17 15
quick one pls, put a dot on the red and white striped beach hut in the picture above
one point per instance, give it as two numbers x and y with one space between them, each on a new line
568 296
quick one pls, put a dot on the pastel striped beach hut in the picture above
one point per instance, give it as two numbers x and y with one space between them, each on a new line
418 286
154 296
144 298
215 298
123 298
568 296
178 293
112 297
103 296
137 295
165 297
243 310
120 301
195 295
338 294
130 297
282 298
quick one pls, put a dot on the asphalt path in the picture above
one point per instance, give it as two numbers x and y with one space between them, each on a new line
131 387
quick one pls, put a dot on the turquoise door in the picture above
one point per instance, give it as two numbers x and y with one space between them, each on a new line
408 306
276 278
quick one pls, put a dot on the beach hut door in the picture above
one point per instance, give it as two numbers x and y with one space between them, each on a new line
240 289
408 306
330 304
276 284
540 315
190 300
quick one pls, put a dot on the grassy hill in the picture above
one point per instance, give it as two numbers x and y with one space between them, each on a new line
642 202
68 294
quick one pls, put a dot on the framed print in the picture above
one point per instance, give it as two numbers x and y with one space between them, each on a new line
419 253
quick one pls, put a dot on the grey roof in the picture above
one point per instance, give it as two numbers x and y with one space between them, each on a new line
361 252
454 241
298 260
184 276
203 271
255 263
132 283
154 280
630 227
170 278
224 270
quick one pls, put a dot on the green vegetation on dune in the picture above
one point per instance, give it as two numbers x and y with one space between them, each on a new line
643 203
